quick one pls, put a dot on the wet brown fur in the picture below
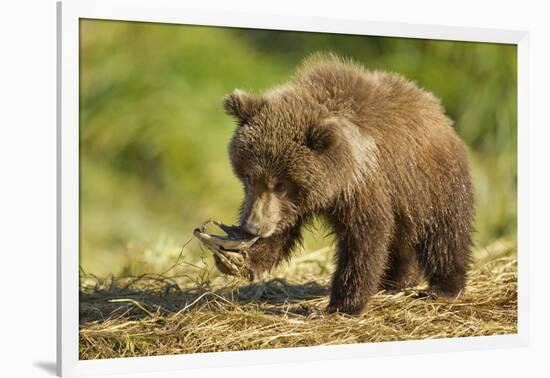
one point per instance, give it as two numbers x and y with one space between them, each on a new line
375 156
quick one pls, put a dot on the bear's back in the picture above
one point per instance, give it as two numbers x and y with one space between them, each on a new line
374 99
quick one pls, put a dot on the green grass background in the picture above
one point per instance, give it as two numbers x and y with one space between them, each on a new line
153 134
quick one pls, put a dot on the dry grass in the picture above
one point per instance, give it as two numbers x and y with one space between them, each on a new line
192 312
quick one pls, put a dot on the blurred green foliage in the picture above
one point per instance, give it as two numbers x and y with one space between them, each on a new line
153 134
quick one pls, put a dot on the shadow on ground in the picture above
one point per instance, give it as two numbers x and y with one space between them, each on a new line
148 296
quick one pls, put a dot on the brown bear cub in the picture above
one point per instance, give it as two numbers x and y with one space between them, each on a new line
376 157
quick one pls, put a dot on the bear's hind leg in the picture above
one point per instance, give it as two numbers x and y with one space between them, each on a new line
445 258
403 271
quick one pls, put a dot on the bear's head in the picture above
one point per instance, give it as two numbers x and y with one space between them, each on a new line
290 156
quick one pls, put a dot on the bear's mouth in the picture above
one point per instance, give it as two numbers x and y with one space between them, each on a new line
269 233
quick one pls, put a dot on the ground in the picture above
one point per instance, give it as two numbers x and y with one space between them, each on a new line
197 311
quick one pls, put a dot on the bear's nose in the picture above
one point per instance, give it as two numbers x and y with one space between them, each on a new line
251 228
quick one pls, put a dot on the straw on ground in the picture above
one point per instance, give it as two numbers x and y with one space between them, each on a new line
160 314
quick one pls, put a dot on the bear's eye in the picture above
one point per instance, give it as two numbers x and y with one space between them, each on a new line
280 187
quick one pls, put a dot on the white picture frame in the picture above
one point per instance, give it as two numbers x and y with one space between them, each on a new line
168 11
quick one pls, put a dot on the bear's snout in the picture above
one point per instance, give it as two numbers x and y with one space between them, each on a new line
251 228
261 217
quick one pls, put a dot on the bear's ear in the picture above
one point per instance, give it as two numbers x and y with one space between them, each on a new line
321 137
241 105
